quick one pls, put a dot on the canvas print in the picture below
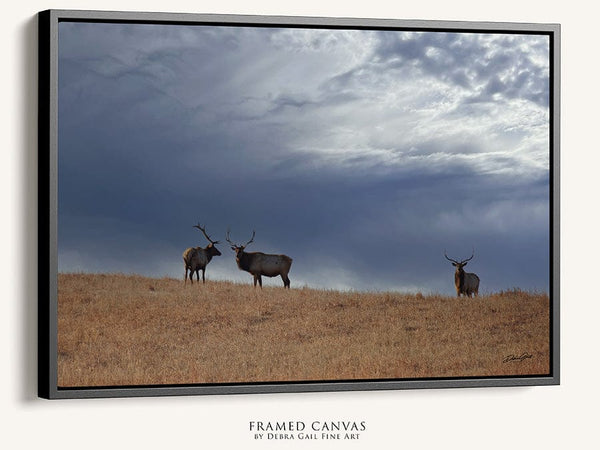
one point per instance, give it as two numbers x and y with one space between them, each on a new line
264 204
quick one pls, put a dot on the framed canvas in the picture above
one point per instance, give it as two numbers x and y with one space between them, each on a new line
250 204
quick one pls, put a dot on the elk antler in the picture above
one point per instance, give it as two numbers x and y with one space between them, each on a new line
205 235
227 238
463 261
251 239
449 259
468 259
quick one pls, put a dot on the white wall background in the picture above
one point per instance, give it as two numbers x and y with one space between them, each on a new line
540 417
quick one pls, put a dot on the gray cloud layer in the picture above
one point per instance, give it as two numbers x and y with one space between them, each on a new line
361 154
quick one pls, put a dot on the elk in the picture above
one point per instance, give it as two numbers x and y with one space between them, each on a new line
259 264
195 259
465 283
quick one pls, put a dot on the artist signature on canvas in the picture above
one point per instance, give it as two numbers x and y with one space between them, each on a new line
521 357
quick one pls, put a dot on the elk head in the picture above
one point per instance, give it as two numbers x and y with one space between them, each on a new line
239 249
459 265
211 246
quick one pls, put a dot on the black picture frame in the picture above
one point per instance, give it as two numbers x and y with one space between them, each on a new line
48 201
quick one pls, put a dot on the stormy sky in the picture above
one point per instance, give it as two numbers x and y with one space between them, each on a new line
361 154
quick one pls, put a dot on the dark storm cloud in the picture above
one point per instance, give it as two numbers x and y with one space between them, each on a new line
326 144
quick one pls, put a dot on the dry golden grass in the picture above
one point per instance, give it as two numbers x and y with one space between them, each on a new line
130 330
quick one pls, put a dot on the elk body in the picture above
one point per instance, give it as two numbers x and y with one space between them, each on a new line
465 283
259 264
195 259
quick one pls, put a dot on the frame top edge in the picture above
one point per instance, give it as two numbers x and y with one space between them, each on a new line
273 20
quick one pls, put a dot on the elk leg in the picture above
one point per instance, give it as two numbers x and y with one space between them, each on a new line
260 281
286 282
203 276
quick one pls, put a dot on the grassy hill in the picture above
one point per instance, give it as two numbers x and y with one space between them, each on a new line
130 330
